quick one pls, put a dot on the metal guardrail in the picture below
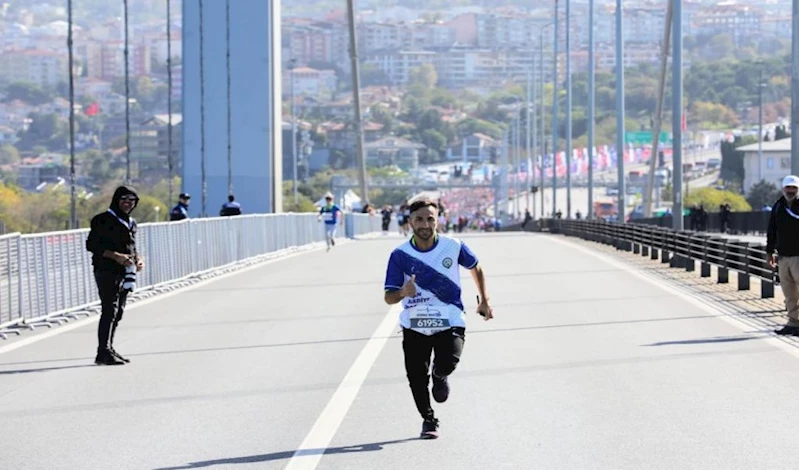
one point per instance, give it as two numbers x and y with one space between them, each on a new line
740 223
680 249
47 275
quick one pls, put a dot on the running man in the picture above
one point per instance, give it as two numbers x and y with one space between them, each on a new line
330 213
423 274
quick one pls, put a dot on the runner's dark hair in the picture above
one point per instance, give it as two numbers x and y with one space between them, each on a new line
422 203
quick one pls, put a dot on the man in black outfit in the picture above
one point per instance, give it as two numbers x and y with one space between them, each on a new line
180 211
112 242
230 208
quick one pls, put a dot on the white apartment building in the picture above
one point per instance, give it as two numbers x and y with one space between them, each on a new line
320 84
397 65
42 68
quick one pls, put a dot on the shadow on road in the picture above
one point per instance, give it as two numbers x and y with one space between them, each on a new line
730 339
44 369
372 447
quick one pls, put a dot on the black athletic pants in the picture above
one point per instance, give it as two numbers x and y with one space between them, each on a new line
112 302
448 346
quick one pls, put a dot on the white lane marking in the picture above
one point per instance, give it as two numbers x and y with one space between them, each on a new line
698 302
88 321
313 447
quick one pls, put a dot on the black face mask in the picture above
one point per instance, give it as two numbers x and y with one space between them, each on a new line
790 195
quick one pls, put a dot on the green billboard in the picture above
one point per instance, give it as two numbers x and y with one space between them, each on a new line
644 137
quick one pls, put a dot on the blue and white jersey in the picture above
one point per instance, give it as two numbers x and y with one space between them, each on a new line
437 305
330 213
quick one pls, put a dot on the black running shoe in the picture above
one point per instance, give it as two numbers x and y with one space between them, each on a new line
440 389
429 429
788 331
119 356
105 358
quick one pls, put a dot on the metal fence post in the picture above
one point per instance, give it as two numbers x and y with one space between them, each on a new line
723 270
743 275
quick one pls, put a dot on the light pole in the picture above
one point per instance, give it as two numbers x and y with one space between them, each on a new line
555 117
620 110
73 217
127 95
292 65
760 86
568 114
170 162
676 121
591 108
530 134
795 88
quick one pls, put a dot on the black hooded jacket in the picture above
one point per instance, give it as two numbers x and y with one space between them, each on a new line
783 229
112 230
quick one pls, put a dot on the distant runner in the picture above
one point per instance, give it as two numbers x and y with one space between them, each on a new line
423 274
330 213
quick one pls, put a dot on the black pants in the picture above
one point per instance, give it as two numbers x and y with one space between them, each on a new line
385 224
448 347
112 301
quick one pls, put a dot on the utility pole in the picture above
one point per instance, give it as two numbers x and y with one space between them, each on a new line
356 93
568 112
591 108
676 121
655 153
555 118
620 110
795 89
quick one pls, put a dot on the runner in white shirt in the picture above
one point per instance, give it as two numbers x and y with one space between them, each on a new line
423 273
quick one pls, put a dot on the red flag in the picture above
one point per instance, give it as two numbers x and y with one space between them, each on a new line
92 110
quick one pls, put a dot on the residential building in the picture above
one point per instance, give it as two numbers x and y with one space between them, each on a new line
44 169
394 151
474 148
341 136
315 41
87 86
307 81
397 65
41 68
728 17
113 60
149 146
775 164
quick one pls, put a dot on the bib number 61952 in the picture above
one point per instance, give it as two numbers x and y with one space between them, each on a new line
429 323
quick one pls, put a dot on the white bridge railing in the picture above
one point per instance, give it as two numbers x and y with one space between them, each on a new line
47 277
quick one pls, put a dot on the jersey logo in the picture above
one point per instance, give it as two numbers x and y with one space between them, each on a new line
447 263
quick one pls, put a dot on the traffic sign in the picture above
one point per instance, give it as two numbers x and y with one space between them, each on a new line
645 137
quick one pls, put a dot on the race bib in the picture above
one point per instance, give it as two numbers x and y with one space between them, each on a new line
428 320
328 216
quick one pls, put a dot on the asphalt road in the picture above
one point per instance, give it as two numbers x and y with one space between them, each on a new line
587 365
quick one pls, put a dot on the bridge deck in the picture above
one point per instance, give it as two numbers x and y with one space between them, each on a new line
587 365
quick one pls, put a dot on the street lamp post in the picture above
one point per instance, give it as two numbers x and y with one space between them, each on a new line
760 86
555 117
292 65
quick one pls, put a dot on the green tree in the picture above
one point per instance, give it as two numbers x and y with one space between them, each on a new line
9 155
712 198
763 193
28 93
